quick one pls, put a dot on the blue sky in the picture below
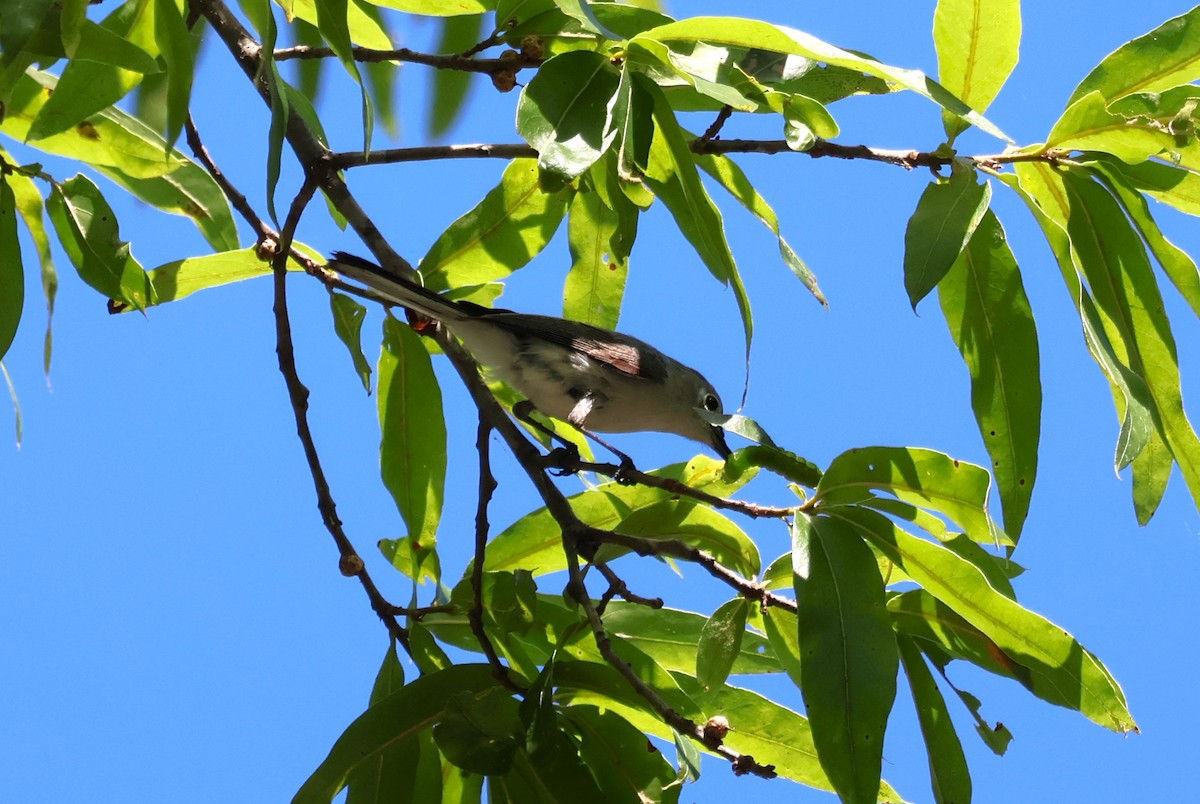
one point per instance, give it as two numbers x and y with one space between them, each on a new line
175 626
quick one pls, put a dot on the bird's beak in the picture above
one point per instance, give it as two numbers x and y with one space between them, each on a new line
717 441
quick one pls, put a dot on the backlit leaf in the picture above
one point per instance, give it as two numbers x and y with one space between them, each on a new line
939 230
412 448
348 316
566 112
88 230
1166 57
406 712
948 771
984 303
977 43
12 273
1069 675
507 229
848 656
720 642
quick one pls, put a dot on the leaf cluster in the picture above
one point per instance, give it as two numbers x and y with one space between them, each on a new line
896 560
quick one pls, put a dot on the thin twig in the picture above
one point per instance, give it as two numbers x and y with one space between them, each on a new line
487 485
618 588
712 131
820 149
310 151
631 475
450 61
710 738
590 537
350 563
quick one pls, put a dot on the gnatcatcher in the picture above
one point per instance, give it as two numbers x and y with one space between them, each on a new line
595 379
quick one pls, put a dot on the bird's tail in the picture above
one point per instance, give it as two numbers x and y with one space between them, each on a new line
394 288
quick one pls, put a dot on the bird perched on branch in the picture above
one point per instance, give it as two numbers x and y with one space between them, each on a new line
595 379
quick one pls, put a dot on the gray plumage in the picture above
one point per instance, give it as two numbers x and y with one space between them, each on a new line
593 378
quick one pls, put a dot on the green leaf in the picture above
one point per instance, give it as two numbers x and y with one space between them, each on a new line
190 191
732 178
534 542
721 642
348 316
507 229
687 757
405 713
918 614
22 19
1115 265
1070 675
1151 471
29 205
670 637
87 228
175 280
696 526
172 32
756 34
633 119
427 655
332 21
111 138
948 771
1088 125
805 121
673 177
939 230
413 559
262 17
109 61
848 657
566 112
131 154
1166 57
438 8
984 303
552 773
1176 186
769 732
1044 193
977 43
923 477
1178 266
388 775
617 755
480 732
412 448
12 274
450 87
599 239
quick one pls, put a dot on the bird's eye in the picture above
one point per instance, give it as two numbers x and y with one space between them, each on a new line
711 403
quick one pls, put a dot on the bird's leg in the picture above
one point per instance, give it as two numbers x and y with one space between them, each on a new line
621 475
559 457
578 417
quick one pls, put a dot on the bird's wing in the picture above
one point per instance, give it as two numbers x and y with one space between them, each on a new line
622 353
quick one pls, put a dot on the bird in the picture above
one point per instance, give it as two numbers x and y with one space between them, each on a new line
597 380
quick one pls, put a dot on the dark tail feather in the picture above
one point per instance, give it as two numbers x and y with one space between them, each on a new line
393 287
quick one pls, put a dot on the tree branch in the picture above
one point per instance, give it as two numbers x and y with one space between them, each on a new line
752 590
710 738
350 564
487 485
314 157
820 149
450 61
